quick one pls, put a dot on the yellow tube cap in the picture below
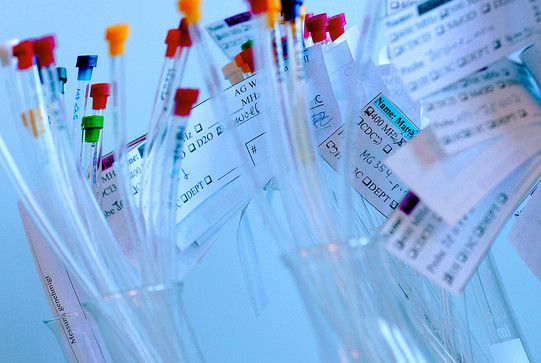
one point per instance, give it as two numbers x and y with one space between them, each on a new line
274 7
116 35
191 9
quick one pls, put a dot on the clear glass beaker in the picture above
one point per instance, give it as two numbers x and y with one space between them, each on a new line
348 288
146 325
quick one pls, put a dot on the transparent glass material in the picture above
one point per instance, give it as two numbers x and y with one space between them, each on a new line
146 325
79 342
347 288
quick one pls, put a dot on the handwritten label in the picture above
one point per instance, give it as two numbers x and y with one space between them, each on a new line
232 32
448 254
435 43
524 235
452 185
482 106
380 129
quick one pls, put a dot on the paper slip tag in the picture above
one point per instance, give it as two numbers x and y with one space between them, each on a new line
525 235
451 185
80 339
522 205
324 110
394 6
532 60
435 43
380 129
449 254
397 93
232 32
509 351
482 106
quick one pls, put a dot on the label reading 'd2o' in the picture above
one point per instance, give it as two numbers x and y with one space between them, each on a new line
379 130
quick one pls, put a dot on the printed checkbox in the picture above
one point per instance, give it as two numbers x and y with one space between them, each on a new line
198 128
440 30
485 8
184 198
367 181
191 148
219 130
393 204
208 179
497 44
387 149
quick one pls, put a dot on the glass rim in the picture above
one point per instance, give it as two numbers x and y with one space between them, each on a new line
330 247
131 293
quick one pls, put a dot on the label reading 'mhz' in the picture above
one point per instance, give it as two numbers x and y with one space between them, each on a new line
380 129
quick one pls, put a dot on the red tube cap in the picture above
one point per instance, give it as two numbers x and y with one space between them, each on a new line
44 50
185 99
317 26
247 56
306 34
184 40
24 51
99 93
172 40
258 6
336 26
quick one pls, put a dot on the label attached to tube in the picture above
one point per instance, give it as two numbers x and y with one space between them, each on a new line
449 254
81 340
452 185
524 235
380 129
482 106
230 33
435 43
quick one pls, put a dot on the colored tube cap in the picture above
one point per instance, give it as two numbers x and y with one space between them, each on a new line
247 56
173 41
185 99
258 6
336 26
24 51
85 64
92 126
306 33
317 26
44 50
62 77
247 45
239 60
291 9
116 35
232 73
99 93
185 40
191 9
6 52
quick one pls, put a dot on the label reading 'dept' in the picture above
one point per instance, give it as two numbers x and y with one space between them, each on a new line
437 42
379 130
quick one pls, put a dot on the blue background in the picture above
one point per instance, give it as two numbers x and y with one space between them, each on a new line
215 296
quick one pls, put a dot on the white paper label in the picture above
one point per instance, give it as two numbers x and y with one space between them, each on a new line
525 235
482 106
394 6
509 351
380 129
437 42
80 338
212 186
449 254
451 185
232 32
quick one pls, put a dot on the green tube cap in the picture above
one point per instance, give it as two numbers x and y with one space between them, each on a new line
92 126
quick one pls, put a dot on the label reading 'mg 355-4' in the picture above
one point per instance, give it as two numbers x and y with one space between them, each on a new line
380 129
